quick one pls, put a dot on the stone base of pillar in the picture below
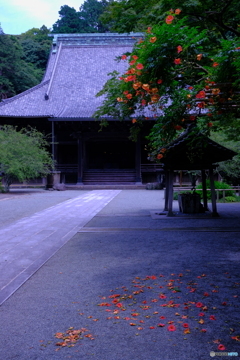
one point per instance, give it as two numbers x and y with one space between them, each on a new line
53 179
214 214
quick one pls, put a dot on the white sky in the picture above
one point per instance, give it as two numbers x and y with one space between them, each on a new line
18 16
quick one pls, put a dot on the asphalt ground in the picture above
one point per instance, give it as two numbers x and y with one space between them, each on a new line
137 285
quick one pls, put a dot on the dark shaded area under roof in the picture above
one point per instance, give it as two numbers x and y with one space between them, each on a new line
194 152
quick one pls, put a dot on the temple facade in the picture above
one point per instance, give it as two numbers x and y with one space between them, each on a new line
63 106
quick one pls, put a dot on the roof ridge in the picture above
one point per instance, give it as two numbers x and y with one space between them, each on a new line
7 101
53 73
65 46
96 39
96 34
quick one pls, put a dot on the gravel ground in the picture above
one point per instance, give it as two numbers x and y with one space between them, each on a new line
139 289
20 203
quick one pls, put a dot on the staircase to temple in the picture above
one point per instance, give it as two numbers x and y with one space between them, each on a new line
109 176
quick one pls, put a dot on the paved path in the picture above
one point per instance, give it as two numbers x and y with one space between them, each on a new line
26 244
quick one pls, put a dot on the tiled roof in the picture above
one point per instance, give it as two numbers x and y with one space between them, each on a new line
78 67
202 154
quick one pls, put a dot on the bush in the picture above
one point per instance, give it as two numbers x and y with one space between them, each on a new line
24 155
1 187
176 193
229 199
218 185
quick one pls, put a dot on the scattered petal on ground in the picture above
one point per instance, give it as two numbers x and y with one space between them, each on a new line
133 306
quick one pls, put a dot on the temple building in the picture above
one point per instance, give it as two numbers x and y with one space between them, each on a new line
63 106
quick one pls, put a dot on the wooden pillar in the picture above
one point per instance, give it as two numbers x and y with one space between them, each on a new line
138 161
213 195
204 190
170 194
166 190
180 177
53 141
80 161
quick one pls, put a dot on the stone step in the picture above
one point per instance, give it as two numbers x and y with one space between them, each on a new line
109 176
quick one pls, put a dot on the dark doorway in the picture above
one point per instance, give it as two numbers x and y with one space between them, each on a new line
110 155
67 162
67 154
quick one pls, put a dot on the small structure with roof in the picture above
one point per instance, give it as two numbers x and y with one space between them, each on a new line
193 151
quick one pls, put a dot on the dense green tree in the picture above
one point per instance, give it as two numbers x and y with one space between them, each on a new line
1 30
86 20
24 155
34 53
135 15
36 46
130 15
90 13
7 52
69 21
221 17
15 74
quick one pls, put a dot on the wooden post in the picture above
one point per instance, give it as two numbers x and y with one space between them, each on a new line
138 161
53 141
166 190
204 190
170 193
213 195
181 176
80 162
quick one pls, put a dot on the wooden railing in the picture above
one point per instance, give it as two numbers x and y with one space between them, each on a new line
73 167
150 167
235 189
67 167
